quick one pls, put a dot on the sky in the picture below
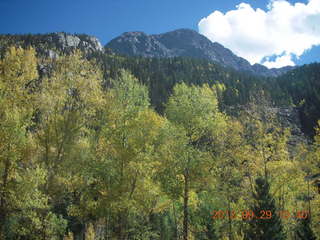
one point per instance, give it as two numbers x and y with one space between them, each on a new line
274 33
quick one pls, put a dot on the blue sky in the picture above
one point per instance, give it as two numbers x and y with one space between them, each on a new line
107 19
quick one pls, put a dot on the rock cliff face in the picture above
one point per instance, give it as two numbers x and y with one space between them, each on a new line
52 43
185 43
65 42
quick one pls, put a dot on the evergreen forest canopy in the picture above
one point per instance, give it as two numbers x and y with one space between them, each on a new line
101 146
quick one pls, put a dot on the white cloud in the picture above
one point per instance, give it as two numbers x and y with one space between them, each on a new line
280 61
283 30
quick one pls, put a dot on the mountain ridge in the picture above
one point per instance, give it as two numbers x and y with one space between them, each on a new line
186 43
177 43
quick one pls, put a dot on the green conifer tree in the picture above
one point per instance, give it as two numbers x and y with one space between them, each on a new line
263 226
304 231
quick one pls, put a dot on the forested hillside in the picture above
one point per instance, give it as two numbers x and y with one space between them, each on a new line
298 88
302 85
99 146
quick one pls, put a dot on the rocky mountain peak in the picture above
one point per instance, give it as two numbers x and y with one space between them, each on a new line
185 43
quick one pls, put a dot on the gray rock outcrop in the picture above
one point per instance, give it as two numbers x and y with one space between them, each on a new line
50 44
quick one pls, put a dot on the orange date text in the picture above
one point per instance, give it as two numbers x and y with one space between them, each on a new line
260 214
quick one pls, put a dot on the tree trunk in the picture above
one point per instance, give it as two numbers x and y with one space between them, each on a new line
229 219
100 229
2 223
175 222
309 201
3 198
80 235
185 205
122 225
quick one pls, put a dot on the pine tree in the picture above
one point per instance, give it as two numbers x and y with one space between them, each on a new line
268 227
304 231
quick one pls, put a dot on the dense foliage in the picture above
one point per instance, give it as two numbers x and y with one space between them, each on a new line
83 154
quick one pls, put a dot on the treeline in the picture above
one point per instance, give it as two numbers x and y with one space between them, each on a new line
297 88
84 157
160 75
